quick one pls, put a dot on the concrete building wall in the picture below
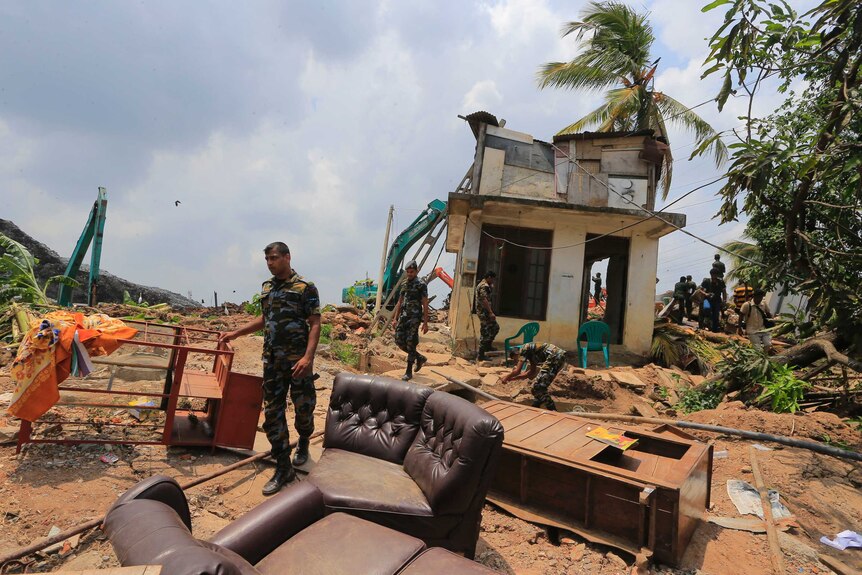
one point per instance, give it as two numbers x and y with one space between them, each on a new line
640 299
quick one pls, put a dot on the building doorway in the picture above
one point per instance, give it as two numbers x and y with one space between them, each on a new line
609 253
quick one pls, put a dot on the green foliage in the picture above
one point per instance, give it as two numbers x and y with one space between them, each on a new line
616 58
18 277
856 422
672 345
783 389
325 332
697 399
127 299
253 307
743 365
344 352
797 173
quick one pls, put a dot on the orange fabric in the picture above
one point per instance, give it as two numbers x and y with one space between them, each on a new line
44 357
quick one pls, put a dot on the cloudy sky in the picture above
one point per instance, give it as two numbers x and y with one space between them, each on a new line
293 121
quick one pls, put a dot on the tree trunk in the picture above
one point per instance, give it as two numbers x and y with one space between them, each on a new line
824 345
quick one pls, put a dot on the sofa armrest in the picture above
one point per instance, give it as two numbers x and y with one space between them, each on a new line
148 532
260 531
158 488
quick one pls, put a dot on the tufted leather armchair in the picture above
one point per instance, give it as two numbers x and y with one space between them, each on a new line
409 458
286 534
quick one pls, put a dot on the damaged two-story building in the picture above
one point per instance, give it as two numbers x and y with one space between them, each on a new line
541 215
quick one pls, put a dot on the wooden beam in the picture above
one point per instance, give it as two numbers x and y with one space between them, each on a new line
776 556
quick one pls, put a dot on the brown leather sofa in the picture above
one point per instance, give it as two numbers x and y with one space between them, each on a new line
287 534
409 458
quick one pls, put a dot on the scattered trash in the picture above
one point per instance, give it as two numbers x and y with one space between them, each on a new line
56 546
109 458
760 447
843 540
750 524
141 414
719 454
747 500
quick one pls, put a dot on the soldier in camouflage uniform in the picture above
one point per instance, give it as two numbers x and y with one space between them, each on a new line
410 312
485 310
291 324
547 360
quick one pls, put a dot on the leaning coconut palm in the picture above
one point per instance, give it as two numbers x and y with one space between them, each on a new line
617 58
743 254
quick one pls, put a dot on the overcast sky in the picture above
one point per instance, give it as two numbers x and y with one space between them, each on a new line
293 121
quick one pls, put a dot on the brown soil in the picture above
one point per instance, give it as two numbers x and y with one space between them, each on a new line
55 485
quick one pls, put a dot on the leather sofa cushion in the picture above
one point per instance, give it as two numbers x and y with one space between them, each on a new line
148 532
350 480
340 544
439 561
451 451
374 415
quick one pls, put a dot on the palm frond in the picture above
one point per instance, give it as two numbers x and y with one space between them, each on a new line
678 113
575 75
618 106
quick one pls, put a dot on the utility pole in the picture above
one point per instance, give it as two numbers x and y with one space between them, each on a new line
383 262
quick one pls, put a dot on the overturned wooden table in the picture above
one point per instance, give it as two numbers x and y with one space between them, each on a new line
648 498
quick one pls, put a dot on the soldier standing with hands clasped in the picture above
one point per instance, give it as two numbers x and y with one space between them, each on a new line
411 310
291 324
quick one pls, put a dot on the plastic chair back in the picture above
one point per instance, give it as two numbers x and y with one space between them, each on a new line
598 338
528 331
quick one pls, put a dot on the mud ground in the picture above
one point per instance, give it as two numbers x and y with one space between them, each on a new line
50 485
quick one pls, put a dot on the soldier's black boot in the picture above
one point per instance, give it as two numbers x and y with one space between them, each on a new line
420 361
281 478
300 457
481 356
408 375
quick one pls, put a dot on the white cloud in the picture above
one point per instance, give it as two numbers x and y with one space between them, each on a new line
482 96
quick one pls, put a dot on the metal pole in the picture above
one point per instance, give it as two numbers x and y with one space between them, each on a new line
479 392
383 261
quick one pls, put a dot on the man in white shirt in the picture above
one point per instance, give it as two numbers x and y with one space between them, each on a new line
753 315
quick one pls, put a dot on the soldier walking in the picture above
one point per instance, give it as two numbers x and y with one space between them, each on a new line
546 360
411 310
485 310
291 324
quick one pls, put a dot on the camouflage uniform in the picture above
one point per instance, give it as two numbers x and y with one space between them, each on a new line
550 359
410 318
286 305
489 326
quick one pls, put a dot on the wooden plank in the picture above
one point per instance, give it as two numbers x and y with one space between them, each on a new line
776 556
550 435
531 428
200 384
510 422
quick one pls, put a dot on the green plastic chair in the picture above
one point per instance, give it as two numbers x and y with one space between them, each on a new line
598 337
528 330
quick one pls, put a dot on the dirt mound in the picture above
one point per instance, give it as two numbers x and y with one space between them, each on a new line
819 426
582 387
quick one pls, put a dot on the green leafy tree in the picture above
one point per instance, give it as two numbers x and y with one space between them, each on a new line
745 264
18 281
616 58
797 173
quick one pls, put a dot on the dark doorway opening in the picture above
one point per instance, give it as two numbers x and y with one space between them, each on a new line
522 260
616 251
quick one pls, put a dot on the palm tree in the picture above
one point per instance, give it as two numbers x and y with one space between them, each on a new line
742 268
616 58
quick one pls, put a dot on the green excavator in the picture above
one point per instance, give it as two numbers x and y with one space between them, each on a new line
93 232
